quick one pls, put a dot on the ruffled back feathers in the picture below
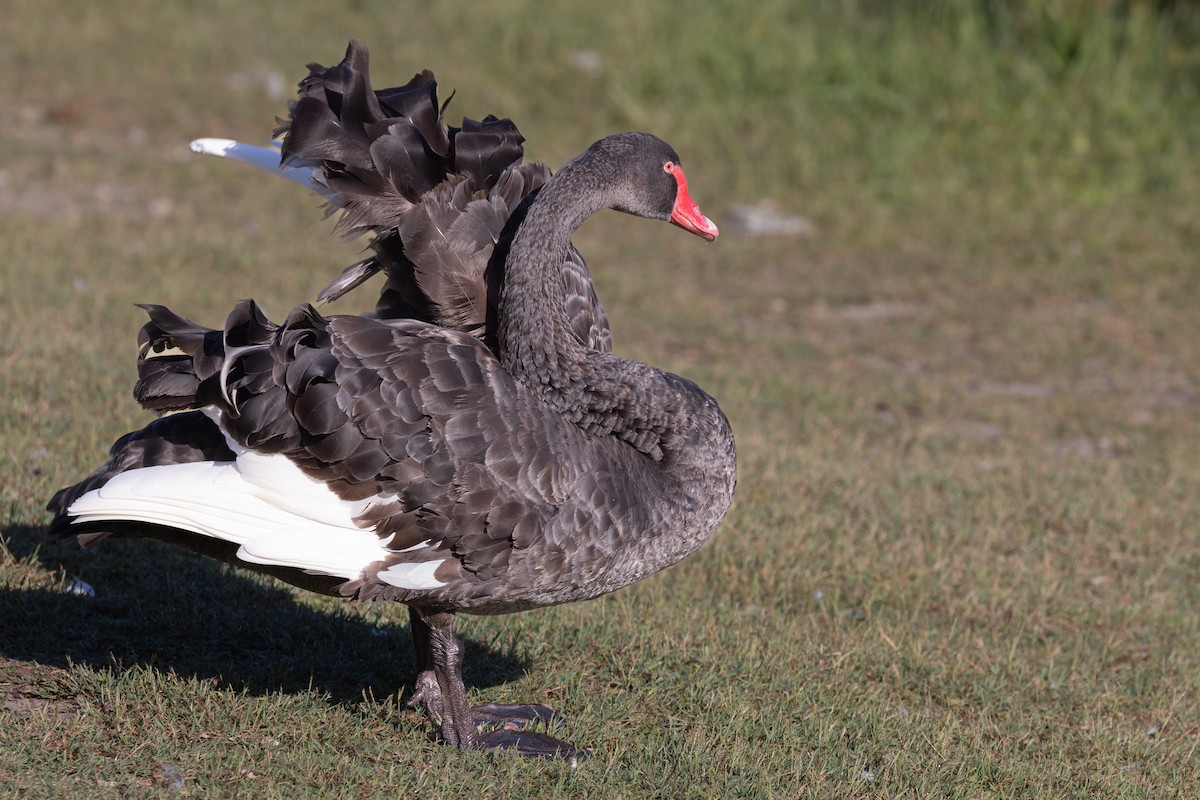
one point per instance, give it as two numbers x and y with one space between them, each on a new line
438 200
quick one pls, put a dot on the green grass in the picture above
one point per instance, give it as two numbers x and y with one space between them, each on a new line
962 560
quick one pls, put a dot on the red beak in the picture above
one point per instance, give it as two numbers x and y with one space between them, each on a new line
686 214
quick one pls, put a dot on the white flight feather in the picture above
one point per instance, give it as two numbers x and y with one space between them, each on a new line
265 504
265 158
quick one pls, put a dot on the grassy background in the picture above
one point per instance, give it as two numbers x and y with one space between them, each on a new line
963 557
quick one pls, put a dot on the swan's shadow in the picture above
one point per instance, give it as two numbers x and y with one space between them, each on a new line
157 605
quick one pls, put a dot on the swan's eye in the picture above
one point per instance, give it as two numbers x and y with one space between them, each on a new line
669 167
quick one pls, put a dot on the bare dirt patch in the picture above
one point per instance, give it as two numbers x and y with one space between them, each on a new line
29 690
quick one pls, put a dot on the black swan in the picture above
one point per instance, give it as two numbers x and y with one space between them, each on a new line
401 460
435 198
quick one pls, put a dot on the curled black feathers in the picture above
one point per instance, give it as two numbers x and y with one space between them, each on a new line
383 150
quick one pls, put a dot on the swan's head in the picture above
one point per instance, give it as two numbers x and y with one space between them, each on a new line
651 183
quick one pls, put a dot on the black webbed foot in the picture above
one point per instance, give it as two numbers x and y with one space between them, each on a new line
505 726
531 744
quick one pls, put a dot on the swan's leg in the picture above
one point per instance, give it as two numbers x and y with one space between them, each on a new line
445 652
442 695
427 696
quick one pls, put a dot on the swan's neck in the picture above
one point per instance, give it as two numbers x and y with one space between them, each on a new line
664 416
534 338
599 392
602 393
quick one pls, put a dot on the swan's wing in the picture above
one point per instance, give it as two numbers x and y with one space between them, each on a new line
463 471
395 457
